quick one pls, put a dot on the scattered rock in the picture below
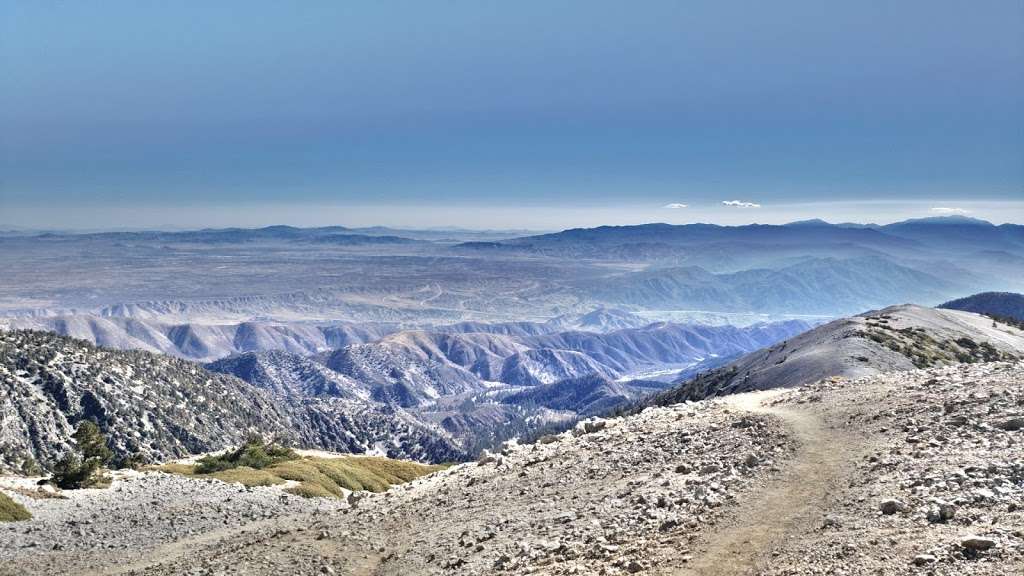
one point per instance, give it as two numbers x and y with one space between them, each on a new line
891 506
977 543
924 559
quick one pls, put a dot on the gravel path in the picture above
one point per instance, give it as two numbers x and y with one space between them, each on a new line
791 502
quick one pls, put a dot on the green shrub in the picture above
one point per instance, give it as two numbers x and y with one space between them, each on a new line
11 511
29 467
134 461
255 454
92 443
73 472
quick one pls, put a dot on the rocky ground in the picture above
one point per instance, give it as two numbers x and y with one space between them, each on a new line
941 490
915 472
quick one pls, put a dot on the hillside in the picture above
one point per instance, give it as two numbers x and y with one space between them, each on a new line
156 406
903 473
999 304
893 339
162 407
415 368
476 389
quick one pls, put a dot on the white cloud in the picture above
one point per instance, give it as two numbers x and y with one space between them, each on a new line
948 210
739 204
675 205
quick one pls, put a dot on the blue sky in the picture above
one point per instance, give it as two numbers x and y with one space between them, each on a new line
507 114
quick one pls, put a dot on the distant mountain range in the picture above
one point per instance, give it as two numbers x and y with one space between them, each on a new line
809 267
892 339
812 286
201 341
947 233
491 385
329 234
335 274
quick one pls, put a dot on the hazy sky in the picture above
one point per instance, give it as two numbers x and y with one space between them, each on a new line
508 114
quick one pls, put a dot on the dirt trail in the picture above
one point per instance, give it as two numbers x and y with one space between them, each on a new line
794 502
173 551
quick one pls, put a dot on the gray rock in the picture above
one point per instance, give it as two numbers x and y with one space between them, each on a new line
977 543
1012 425
891 506
924 559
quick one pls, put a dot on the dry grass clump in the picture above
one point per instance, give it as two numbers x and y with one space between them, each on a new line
318 477
247 476
172 468
11 511
39 493
310 490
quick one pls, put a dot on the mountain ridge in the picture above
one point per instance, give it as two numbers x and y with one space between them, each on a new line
897 338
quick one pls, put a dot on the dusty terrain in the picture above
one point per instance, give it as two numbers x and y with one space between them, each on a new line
915 472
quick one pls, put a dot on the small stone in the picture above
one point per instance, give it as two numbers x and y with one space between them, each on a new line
977 543
941 512
924 559
891 506
1012 425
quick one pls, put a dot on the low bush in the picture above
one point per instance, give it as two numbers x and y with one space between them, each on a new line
255 453
72 473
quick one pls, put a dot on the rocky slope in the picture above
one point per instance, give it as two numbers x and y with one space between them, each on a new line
415 368
476 385
157 406
586 396
290 375
895 338
162 407
903 473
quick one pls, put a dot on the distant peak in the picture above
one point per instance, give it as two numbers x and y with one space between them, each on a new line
811 222
940 220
